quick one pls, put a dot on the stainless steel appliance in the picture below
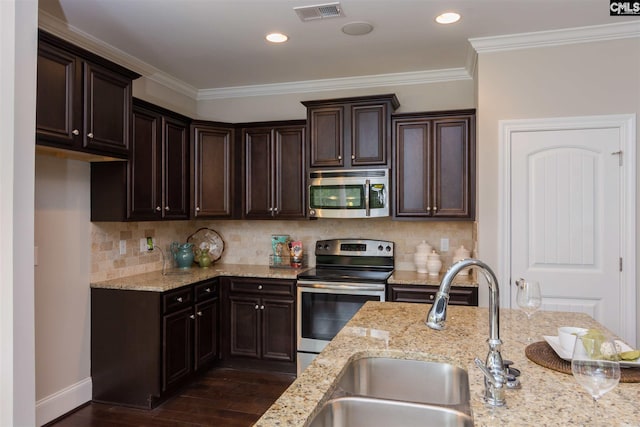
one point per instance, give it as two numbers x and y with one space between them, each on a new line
350 193
348 273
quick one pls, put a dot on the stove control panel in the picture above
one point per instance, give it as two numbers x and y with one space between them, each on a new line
354 247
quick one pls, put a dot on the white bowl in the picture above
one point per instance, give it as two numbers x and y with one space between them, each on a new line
567 336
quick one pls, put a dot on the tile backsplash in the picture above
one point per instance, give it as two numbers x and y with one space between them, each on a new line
249 242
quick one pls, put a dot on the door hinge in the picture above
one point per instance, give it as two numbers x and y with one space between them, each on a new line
619 154
620 263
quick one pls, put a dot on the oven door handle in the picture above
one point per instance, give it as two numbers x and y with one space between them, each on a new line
343 287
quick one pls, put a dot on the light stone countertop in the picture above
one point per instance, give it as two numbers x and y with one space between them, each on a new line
547 397
405 277
175 278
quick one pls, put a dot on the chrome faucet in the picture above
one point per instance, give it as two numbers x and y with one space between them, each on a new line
493 369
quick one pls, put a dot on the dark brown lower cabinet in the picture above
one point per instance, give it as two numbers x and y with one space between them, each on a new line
260 323
144 344
460 295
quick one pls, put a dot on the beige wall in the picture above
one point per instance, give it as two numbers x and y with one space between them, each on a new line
573 80
62 305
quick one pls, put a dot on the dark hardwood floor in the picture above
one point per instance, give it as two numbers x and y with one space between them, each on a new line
222 397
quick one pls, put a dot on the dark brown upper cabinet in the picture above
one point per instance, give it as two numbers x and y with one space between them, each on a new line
213 167
434 165
350 132
154 183
274 170
83 101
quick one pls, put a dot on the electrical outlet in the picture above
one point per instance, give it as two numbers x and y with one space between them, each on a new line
143 245
444 245
123 247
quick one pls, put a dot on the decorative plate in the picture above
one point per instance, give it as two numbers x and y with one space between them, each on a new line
207 238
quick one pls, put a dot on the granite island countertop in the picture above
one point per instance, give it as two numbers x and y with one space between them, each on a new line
398 330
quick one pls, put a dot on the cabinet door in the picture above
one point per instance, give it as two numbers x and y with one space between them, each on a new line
212 172
144 167
58 107
412 168
259 173
453 186
175 149
278 329
177 347
244 331
107 110
290 172
369 136
326 126
206 332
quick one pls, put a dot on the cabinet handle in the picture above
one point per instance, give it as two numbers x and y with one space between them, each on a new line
262 307
75 132
199 313
158 208
90 135
192 317
166 208
259 287
179 299
257 307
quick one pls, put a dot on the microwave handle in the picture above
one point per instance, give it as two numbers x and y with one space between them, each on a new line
367 189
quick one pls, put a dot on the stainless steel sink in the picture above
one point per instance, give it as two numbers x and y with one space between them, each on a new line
407 380
367 412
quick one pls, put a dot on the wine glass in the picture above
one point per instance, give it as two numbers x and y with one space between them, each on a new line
595 365
529 300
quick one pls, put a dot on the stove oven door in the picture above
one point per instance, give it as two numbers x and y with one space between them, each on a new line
323 309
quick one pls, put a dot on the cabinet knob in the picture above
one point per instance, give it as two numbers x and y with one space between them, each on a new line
158 208
353 157
199 313
192 317
431 296
75 132
179 299
270 209
90 135
428 208
208 290
259 287
435 209
262 307
257 307
166 208
197 208
339 157
275 209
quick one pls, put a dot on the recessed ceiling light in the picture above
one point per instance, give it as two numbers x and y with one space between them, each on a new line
277 37
448 18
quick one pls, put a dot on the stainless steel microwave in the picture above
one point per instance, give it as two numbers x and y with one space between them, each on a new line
349 193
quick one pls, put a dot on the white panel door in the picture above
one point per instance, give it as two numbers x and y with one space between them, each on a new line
565 219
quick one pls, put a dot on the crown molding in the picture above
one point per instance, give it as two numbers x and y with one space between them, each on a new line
344 83
74 35
594 33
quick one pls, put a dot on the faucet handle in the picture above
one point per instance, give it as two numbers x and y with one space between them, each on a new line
495 383
496 379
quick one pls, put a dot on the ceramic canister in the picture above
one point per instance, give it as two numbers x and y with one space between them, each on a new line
420 257
460 254
434 264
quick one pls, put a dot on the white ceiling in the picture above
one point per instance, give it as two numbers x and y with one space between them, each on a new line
210 44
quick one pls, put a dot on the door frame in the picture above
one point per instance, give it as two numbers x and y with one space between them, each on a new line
626 124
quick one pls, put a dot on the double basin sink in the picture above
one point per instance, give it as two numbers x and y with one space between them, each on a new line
381 391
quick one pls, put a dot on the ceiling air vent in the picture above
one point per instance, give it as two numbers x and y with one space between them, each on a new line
319 11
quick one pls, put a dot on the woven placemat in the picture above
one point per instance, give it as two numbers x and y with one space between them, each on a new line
541 353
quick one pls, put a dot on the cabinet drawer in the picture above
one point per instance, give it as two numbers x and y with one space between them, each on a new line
262 287
177 299
206 290
426 294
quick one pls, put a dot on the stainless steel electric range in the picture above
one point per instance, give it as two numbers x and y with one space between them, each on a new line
348 273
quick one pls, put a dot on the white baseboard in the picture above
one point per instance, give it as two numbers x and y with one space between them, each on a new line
63 401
